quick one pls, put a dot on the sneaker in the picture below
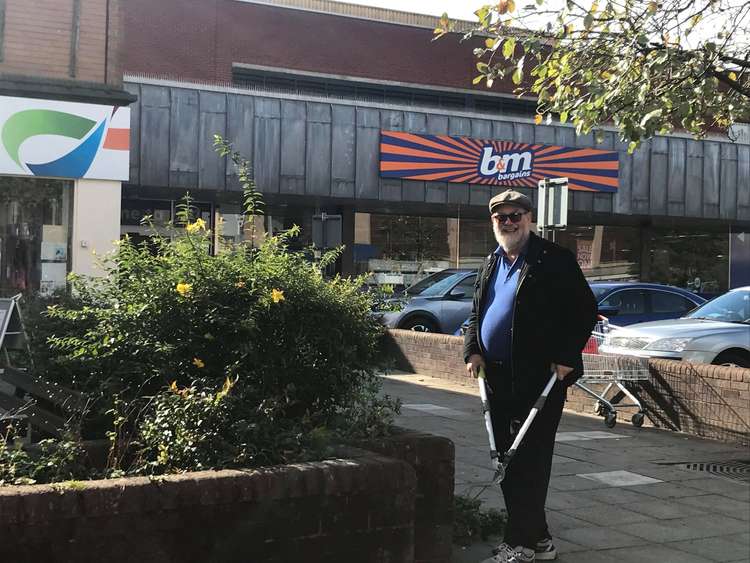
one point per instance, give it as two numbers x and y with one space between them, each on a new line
545 550
503 553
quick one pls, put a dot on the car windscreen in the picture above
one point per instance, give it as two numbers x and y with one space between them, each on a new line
436 284
732 307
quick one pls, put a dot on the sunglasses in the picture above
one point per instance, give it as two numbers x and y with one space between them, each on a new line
514 217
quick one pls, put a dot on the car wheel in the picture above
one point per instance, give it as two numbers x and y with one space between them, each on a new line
420 324
732 359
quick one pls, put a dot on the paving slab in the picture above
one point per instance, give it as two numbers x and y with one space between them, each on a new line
714 549
686 517
655 554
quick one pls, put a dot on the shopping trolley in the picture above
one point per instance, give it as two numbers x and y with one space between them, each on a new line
613 370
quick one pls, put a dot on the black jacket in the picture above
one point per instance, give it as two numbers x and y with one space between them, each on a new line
553 315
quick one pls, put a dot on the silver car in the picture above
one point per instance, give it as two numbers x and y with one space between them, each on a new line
717 332
438 303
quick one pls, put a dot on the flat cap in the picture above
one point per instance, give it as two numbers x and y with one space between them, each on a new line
510 197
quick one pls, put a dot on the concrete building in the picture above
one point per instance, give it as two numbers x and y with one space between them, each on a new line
364 131
64 124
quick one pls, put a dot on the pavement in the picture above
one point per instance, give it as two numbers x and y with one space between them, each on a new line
617 495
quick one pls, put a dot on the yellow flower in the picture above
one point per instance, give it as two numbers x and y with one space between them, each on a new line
277 295
199 225
184 288
173 387
197 362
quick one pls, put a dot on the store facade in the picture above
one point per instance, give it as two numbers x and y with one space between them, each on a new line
666 213
61 168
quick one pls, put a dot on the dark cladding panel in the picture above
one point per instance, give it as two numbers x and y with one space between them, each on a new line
213 121
135 129
524 133
603 202
390 189
267 145
480 195
183 139
694 179
368 153
711 178
622 200
391 120
415 122
676 174
459 127
659 176
503 131
728 194
582 201
293 141
240 111
544 134
743 182
343 135
318 177
436 192
641 178
154 136
414 190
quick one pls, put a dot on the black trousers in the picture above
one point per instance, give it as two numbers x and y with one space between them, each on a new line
527 477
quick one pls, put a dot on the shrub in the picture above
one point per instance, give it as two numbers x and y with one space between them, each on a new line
471 523
243 358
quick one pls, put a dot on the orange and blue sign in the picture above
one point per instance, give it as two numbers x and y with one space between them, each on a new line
465 160
63 139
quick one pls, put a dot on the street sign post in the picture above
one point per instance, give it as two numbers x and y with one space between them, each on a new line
552 209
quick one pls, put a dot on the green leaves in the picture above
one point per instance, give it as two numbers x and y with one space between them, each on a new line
627 64
509 47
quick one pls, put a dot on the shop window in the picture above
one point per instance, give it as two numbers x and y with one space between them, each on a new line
35 225
694 260
604 252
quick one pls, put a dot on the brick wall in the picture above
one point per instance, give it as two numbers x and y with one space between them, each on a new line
433 459
38 38
200 39
363 507
702 400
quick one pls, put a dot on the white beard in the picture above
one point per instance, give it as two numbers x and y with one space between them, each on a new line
510 241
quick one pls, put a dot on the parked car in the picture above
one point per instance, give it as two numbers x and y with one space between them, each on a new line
438 303
717 332
627 303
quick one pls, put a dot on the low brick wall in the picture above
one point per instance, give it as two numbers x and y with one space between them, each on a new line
342 510
364 507
699 399
433 459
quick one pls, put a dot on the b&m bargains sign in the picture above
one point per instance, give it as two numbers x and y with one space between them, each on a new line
466 160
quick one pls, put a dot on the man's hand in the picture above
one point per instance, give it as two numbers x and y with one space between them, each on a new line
475 362
561 370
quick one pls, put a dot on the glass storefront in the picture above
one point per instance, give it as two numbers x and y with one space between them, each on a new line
35 234
400 250
695 260
604 252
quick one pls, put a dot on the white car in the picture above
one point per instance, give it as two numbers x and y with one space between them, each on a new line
717 332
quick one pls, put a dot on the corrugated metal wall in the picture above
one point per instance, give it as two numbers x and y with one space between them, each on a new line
319 148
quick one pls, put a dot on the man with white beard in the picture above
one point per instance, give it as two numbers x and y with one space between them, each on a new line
533 313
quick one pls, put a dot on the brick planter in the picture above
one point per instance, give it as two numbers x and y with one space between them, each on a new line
363 507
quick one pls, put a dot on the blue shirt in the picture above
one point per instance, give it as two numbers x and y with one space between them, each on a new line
496 319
